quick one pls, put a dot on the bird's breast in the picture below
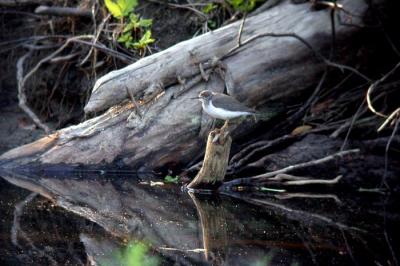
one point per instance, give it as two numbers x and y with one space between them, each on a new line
220 113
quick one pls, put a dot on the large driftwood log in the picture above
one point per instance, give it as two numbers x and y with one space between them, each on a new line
172 128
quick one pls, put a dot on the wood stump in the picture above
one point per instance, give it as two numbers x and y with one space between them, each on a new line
215 161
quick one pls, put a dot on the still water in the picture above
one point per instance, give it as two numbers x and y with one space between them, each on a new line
75 218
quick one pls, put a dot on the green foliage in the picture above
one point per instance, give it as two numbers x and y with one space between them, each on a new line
209 7
136 33
135 23
144 41
243 6
212 24
120 8
135 254
171 179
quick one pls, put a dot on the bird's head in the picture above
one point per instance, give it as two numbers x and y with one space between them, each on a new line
205 96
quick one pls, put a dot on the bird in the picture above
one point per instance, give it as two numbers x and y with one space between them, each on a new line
222 106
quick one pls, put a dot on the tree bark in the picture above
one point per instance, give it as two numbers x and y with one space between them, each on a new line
215 162
263 72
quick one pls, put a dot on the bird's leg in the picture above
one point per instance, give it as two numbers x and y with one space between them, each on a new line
225 130
214 122
225 126
222 134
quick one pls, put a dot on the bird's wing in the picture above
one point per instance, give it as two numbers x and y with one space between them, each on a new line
234 104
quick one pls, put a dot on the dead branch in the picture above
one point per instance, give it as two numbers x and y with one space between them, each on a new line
97 35
387 153
268 176
62 11
372 88
306 164
20 2
22 98
302 180
392 117
18 210
291 180
248 151
298 213
23 79
303 41
283 196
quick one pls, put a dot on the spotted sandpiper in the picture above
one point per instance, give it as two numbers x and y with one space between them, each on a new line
223 106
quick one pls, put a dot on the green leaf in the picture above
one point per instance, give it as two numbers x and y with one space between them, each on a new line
136 253
120 8
244 5
144 41
129 5
126 37
208 8
114 8
145 23
212 24
136 23
171 179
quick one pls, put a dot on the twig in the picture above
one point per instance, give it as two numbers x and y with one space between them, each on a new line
97 35
372 88
313 181
348 248
351 124
392 116
247 151
239 39
19 207
22 98
14 3
124 58
135 104
293 35
306 164
283 196
387 153
187 6
17 231
372 190
52 55
22 79
267 176
64 58
310 100
62 11
295 212
40 47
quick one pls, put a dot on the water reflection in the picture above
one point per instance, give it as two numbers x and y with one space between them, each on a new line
133 223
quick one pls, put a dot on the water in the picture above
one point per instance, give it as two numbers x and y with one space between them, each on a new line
70 218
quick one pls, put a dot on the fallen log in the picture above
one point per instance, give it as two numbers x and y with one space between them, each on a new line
276 59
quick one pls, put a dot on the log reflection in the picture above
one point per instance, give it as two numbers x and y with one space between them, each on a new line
213 220
201 229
